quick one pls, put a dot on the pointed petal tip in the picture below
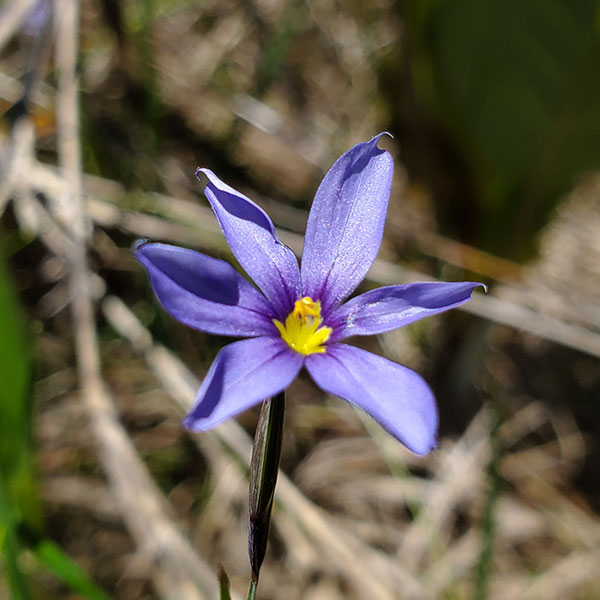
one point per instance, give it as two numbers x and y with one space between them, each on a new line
207 177
375 139
192 425
389 307
475 285
345 223
203 171
421 437
253 240
219 194
188 423
423 449
137 245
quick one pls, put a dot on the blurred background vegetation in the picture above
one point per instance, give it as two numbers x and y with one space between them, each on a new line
494 106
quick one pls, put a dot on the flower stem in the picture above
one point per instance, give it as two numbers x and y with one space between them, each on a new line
252 589
264 466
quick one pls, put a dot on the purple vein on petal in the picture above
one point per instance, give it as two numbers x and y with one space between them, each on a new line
204 292
243 374
390 307
395 396
251 236
345 224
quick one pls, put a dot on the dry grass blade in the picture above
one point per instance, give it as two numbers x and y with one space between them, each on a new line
188 223
457 478
17 158
12 17
504 312
175 568
325 541
378 577
575 570
198 220
268 94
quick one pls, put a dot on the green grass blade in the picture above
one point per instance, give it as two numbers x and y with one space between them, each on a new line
17 462
18 498
20 507
488 529
224 593
68 571
9 548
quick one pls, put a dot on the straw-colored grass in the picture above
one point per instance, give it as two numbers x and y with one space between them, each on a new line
498 511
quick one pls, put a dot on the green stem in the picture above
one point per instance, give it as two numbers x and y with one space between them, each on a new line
252 589
10 546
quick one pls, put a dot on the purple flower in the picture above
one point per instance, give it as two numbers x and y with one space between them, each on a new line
299 317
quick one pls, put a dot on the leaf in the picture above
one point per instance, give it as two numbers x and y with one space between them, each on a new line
17 471
18 497
223 584
10 548
64 568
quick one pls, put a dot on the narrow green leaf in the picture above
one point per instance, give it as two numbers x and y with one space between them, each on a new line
488 526
68 571
16 456
10 562
223 584
15 360
9 545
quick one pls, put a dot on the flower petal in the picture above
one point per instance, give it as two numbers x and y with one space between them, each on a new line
251 236
396 397
243 374
387 308
345 224
204 292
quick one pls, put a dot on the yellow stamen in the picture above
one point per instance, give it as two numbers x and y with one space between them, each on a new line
301 330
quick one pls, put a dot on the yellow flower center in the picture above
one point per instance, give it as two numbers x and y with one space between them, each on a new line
301 330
